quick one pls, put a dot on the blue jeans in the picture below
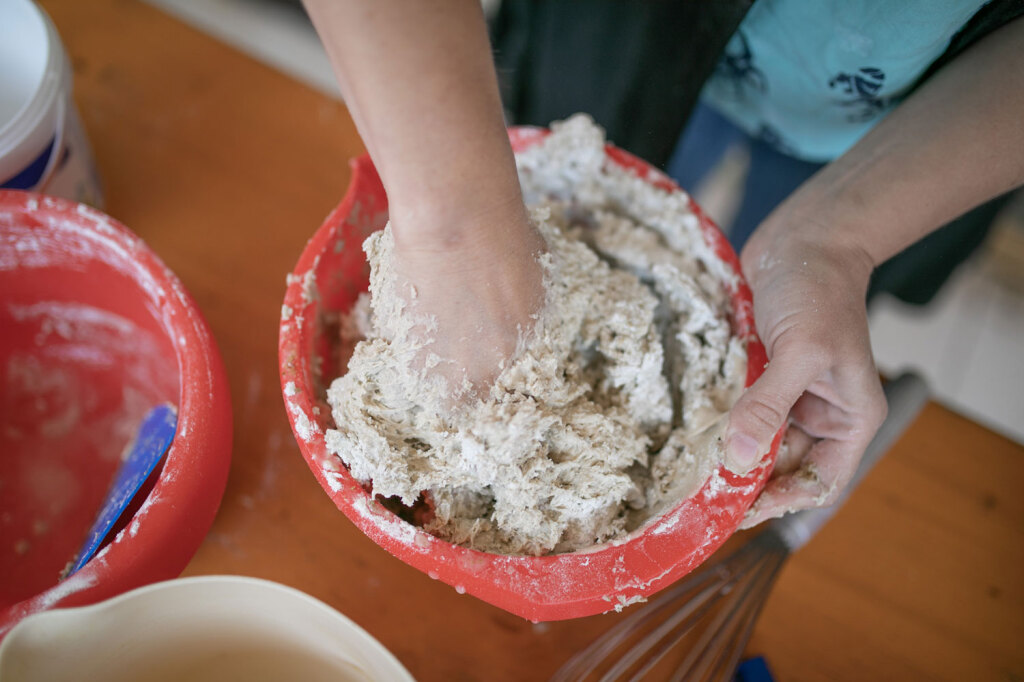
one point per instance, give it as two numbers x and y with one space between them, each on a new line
772 176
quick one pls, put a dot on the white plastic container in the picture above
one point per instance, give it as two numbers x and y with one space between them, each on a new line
203 629
43 147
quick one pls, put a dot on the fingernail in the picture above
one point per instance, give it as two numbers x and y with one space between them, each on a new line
742 451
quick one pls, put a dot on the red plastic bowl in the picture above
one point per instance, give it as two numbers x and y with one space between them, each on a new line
330 274
96 330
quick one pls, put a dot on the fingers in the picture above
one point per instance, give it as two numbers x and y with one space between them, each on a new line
792 451
818 481
851 408
829 464
764 408
789 492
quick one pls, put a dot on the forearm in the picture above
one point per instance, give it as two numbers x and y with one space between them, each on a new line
419 82
953 144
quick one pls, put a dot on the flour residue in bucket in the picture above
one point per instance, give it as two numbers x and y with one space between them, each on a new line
609 414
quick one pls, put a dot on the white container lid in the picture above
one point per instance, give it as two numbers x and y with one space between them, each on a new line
33 71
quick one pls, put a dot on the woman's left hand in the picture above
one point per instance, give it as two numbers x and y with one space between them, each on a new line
821 381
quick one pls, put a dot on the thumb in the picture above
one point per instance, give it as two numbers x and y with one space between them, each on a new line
763 409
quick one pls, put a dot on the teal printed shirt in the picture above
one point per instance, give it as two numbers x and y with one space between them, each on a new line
811 77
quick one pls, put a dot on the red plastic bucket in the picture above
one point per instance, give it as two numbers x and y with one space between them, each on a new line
331 273
96 330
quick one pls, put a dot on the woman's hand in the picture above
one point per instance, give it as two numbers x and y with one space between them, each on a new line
482 287
954 143
809 303
419 82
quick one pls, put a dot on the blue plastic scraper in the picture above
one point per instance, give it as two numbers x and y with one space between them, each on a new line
151 442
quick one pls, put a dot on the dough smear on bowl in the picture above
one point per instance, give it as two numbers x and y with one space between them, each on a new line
612 409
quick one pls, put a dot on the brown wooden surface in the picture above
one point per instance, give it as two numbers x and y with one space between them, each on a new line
225 167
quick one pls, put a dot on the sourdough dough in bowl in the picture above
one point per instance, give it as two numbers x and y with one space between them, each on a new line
611 410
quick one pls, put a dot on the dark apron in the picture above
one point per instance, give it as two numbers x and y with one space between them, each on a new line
637 67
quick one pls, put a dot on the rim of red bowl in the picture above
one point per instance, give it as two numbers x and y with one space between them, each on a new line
553 587
167 529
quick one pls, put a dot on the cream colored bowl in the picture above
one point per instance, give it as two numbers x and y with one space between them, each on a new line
204 629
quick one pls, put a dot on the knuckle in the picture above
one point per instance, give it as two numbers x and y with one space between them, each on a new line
764 417
874 411
881 411
814 350
819 350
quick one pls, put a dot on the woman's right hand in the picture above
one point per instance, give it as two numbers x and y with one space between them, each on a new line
476 273
419 81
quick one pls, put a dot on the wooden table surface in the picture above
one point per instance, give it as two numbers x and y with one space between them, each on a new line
225 167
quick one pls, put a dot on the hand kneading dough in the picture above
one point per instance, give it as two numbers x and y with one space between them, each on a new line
610 412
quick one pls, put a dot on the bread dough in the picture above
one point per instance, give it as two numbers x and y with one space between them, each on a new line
611 411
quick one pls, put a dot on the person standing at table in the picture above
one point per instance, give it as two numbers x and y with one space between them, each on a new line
421 87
